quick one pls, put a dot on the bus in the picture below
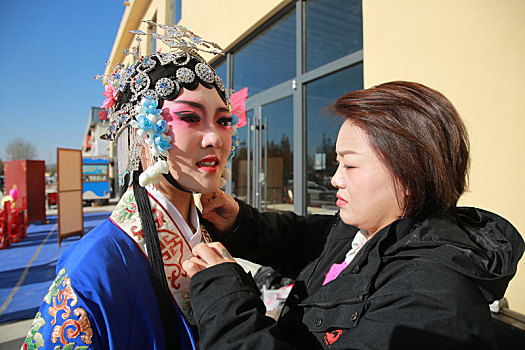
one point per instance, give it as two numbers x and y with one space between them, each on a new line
95 180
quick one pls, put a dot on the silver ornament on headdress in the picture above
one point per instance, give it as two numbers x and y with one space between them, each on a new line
185 75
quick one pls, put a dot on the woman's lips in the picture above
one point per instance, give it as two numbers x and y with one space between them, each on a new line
209 164
340 201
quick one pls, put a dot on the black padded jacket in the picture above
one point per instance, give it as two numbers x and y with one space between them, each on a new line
414 285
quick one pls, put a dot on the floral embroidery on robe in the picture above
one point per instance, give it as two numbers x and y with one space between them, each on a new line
72 329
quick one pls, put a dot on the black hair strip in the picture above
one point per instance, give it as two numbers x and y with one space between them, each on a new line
158 276
175 184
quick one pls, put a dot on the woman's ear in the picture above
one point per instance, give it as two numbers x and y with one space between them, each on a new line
145 156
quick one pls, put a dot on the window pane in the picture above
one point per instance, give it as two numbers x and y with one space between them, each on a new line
268 59
322 129
334 28
220 70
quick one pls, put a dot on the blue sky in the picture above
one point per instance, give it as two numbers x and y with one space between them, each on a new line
50 52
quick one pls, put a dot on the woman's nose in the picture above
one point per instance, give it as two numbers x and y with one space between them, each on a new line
211 138
337 180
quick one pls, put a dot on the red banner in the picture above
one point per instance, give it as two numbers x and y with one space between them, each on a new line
238 102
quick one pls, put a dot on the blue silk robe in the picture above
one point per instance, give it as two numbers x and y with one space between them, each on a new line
102 297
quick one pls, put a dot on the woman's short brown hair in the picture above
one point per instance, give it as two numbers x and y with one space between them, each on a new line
419 136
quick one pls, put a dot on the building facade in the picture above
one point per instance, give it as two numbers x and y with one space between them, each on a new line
297 57
93 145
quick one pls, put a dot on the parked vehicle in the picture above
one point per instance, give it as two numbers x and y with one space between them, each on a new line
96 181
318 195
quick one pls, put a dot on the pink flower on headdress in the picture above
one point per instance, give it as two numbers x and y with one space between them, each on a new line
110 100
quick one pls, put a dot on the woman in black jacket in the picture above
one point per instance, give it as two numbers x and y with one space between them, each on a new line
400 266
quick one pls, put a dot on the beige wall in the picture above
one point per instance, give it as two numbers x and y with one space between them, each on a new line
473 51
226 22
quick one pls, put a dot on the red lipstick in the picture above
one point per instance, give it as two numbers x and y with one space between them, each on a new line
209 164
340 201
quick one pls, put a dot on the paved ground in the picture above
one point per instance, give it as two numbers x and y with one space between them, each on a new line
12 334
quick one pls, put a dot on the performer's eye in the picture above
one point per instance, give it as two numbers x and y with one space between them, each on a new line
225 121
189 117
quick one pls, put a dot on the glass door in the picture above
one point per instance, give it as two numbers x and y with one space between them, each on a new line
275 180
262 169
241 173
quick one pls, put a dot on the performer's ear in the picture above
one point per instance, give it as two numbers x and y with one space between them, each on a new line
146 158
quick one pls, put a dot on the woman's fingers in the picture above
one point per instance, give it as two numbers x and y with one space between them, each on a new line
207 197
206 255
212 201
220 250
192 267
212 253
221 210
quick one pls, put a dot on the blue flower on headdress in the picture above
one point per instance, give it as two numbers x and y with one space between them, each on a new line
150 106
161 143
144 123
160 126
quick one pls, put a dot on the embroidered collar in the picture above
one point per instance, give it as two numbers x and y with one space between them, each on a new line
176 239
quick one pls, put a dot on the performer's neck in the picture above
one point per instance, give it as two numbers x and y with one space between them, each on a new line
180 199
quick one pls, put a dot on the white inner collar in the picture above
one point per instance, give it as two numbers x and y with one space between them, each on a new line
358 242
193 238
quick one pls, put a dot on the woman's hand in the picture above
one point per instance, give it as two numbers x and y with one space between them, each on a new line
220 209
206 255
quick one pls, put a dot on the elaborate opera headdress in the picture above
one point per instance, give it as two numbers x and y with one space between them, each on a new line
135 94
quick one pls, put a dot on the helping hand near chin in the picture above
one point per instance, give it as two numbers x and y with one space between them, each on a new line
220 209
206 255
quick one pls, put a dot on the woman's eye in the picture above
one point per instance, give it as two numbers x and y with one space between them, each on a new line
225 121
188 117
336 162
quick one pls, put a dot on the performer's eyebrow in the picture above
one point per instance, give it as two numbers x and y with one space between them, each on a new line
190 103
200 106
